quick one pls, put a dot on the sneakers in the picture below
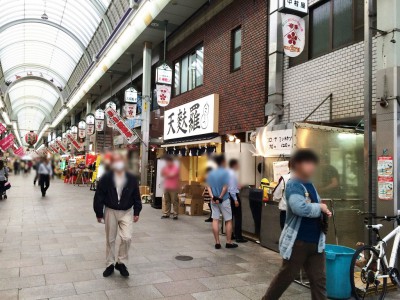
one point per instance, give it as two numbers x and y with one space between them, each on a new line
108 271
122 269
208 220
231 246
217 246
165 217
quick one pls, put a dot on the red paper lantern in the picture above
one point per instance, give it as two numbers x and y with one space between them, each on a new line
31 138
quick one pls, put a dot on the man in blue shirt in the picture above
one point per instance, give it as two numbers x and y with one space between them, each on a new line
218 183
302 240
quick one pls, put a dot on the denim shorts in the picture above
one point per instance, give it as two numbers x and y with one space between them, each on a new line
223 208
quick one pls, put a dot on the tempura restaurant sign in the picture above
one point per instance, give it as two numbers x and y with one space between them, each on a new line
191 119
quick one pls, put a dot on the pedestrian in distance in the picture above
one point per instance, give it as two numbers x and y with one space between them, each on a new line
218 182
44 171
302 241
236 203
171 174
3 179
117 203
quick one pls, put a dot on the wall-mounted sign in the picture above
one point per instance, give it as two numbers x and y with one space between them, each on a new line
191 119
163 94
274 143
131 95
385 177
295 7
164 74
293 30
119 124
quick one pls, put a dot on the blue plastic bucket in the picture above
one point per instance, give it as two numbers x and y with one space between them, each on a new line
338 260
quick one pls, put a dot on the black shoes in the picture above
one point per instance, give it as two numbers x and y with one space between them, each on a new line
231 246
165 217
108 271
217 246
122 269
208 220
241 240
175 218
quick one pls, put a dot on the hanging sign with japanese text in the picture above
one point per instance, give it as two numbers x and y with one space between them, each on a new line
19 151
99 119
274 143
163 94
113 106
130 111
82 130
295 7
74 142
131 95
191 119
7 142
293 30
74 132
53 147
90 120
119 124
164 74
61 146
2 128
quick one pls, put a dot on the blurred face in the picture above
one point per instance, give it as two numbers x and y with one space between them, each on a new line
170 162
118 163
235 167
306 169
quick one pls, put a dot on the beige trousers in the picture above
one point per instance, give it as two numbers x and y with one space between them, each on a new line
171 197
118 222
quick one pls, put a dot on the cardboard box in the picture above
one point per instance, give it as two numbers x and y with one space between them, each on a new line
144 190
196 206
181 209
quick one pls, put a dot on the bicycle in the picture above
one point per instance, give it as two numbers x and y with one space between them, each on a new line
370 270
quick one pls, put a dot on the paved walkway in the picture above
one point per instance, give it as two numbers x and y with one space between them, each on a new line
52 248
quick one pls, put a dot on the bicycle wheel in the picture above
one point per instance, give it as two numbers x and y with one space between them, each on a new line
364 276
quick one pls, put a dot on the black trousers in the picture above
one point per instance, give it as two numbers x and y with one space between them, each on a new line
44 182
237 217
282 218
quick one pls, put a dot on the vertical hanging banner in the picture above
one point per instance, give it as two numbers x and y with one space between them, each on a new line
60 144
81 130
74 132
7 142
99 119
130 135
163 95
2 128
294 35
113 106
131 95
74 142
90 120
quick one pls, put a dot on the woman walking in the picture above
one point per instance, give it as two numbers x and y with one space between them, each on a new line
45 171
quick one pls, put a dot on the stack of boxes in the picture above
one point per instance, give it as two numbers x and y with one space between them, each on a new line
191 199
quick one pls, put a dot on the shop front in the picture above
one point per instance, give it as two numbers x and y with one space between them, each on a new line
339 181
191 135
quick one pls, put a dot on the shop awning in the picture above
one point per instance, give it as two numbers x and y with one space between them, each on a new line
193 142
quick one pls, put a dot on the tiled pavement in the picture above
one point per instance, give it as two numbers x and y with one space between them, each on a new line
52 248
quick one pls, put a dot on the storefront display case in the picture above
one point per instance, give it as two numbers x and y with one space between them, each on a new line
339 180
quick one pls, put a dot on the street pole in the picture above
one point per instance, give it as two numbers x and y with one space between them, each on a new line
146 97
368 159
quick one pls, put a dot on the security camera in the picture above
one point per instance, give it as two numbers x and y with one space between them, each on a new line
134 4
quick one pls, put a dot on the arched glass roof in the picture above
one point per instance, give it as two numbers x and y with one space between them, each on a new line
50 48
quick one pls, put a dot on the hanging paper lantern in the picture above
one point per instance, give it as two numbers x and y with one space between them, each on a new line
129 111
82 129
31 138
64 139
74 132
90 120
114 107
99 119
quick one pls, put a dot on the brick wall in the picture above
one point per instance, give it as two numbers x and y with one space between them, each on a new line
242 93
340 72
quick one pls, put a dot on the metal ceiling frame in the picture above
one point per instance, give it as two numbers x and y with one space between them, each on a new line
49 23
16 110
101 10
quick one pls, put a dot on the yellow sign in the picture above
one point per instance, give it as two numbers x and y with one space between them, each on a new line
94 176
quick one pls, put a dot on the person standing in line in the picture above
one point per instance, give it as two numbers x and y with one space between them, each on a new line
171 174
278 195
207 197
45 171
117 202
218 182
302 241
236 203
